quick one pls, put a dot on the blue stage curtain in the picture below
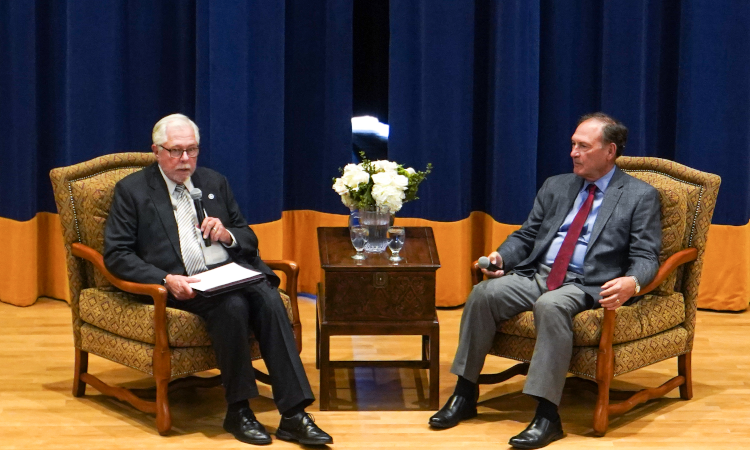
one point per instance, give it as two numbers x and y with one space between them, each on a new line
490 92
268 83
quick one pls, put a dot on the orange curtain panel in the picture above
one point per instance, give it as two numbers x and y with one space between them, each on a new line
33 264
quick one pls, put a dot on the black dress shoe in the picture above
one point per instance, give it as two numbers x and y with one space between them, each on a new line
301 428
456 409
243 425
540 433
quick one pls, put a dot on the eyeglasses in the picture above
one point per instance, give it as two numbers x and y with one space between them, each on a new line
192 152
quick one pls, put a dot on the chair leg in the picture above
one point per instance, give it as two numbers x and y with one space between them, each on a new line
684 368
601 411
81 367
163 416
605 370
162 375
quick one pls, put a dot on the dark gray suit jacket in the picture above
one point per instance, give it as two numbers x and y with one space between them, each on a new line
626 238
141 241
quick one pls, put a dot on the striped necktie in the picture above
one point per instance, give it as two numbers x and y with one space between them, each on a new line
192 254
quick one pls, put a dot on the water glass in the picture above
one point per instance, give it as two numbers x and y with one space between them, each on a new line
396 239
354 218
359 235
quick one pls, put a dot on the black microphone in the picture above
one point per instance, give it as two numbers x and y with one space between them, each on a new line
484 263
196 195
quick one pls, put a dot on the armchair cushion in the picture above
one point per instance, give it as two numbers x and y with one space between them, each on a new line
94 196
629 356
674 212
650 316
132 317
139 355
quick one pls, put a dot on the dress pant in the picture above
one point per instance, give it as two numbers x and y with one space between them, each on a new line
230 318
498 299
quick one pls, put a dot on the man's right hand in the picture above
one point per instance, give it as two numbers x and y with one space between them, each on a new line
497 260
178 286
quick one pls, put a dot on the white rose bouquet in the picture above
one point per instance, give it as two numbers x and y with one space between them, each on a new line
381 183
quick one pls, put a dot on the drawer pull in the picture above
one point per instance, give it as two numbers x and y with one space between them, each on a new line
380 279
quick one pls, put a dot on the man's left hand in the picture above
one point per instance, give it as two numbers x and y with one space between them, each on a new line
213 227
616 292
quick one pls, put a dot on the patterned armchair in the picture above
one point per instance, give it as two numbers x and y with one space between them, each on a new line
125 322
659 326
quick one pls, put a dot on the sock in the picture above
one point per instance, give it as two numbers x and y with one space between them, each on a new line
466 389
236 406
294 410
547 409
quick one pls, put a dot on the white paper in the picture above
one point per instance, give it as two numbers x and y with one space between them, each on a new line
221 276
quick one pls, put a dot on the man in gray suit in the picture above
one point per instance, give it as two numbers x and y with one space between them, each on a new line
592 239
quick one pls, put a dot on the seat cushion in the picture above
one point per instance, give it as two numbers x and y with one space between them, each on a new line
629 356
139 355
647 317
132 317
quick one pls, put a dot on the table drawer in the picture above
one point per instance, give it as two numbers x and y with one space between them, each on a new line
379 296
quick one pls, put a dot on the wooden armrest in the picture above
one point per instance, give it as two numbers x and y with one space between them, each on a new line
669 266
156 291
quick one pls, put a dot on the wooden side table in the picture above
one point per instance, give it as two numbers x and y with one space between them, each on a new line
377 297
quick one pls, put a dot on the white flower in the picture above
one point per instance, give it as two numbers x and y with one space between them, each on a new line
390 178
340 187
401 181
389 195
411 171
353 176
385 166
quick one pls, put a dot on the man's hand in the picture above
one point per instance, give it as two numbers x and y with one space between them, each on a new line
616 292
497 260
213 227
178 286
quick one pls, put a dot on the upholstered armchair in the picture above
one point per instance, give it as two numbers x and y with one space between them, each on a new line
125 322
658 327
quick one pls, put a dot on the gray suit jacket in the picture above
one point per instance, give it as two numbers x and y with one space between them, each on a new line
626 238
141 240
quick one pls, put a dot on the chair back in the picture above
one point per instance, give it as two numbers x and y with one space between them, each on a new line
83 194
688 198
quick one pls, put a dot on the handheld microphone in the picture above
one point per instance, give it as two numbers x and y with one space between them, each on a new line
484 263
196 195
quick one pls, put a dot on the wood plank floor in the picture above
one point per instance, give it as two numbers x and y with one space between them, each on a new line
373 408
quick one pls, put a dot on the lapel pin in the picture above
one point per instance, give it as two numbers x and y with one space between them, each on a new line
210 196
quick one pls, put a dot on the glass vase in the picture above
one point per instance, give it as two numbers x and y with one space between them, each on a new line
376 219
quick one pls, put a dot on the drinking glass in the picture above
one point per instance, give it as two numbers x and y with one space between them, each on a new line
396 238
354 218
359 235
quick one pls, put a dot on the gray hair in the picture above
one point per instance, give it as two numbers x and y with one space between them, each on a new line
613 131
159 134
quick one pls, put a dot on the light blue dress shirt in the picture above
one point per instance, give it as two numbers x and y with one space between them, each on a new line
576 261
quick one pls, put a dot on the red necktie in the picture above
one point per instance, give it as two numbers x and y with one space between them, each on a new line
562 260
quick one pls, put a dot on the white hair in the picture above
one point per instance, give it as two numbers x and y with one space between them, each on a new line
159 134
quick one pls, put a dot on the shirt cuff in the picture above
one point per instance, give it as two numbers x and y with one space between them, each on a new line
234 241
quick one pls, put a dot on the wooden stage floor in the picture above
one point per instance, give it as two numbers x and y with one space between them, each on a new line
373 408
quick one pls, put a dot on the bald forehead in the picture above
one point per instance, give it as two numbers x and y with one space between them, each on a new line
592 125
